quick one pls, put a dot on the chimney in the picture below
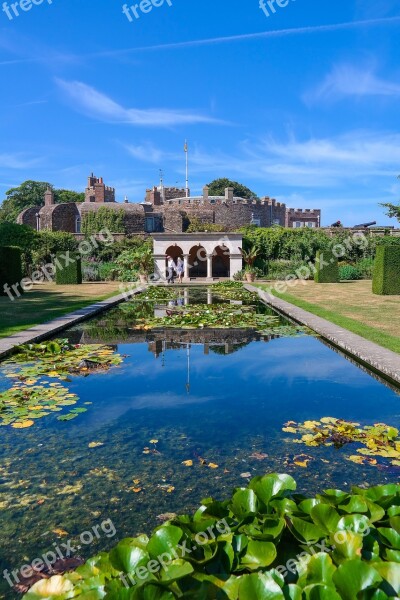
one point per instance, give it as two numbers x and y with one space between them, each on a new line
205 193
49 197
229 194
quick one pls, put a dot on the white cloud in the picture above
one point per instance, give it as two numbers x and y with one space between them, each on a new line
348 80
17 161
312 163
277 33
98 105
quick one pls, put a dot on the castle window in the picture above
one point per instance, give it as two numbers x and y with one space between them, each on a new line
78 223
297 224
310 224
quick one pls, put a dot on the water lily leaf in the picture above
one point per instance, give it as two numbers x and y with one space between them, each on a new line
389 537
164 540
260 586
272 486
355 576
244 503
326 517
258 554
176 569
320 592
390 573
128 555
305 531
23 424
320 569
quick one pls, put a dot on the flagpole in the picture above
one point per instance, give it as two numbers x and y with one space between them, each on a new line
187 168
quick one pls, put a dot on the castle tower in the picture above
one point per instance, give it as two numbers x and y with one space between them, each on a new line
97 192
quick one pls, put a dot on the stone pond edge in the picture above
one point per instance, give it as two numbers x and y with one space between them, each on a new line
380 360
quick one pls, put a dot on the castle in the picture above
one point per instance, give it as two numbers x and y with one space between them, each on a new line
166 210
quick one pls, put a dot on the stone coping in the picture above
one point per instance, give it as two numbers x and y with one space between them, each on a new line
381 360
46 330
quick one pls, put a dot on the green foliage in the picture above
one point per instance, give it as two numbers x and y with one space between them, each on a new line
280 269
386 280
366 267
103 218
219 316
32 372
349 273
233 290
10 268
66 196
68 273
393 210
197 225
264 543
31 193
327 270
217 188
49 243
376 445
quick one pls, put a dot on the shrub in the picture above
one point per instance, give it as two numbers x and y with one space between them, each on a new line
366 267
10 268
386 280
349 273
280 269
265 542
327 270
108 271
50 243
68 273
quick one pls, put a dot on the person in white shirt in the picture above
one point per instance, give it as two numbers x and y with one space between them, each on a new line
171 267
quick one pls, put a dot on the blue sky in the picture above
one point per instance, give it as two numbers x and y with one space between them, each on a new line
301 105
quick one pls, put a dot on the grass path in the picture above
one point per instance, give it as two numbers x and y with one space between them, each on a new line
48 301
350 305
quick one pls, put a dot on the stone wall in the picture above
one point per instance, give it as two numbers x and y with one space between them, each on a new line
59 217
28 217
304 216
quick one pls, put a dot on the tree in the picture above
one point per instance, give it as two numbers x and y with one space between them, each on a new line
31 193
217 188
393 210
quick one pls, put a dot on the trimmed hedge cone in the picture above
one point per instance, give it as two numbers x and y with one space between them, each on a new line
386 278
68 269
327 268
10 269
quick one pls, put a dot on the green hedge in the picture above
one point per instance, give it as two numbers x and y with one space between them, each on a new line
386 279
326 273
68 273
264 543
10 268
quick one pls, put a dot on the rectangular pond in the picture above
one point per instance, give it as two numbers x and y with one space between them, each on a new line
186 413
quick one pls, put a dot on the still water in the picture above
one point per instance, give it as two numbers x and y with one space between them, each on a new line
217 395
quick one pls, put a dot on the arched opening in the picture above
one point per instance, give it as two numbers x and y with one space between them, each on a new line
221 262
198 262
174 252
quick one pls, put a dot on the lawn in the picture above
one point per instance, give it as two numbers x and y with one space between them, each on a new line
48 301
351 305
